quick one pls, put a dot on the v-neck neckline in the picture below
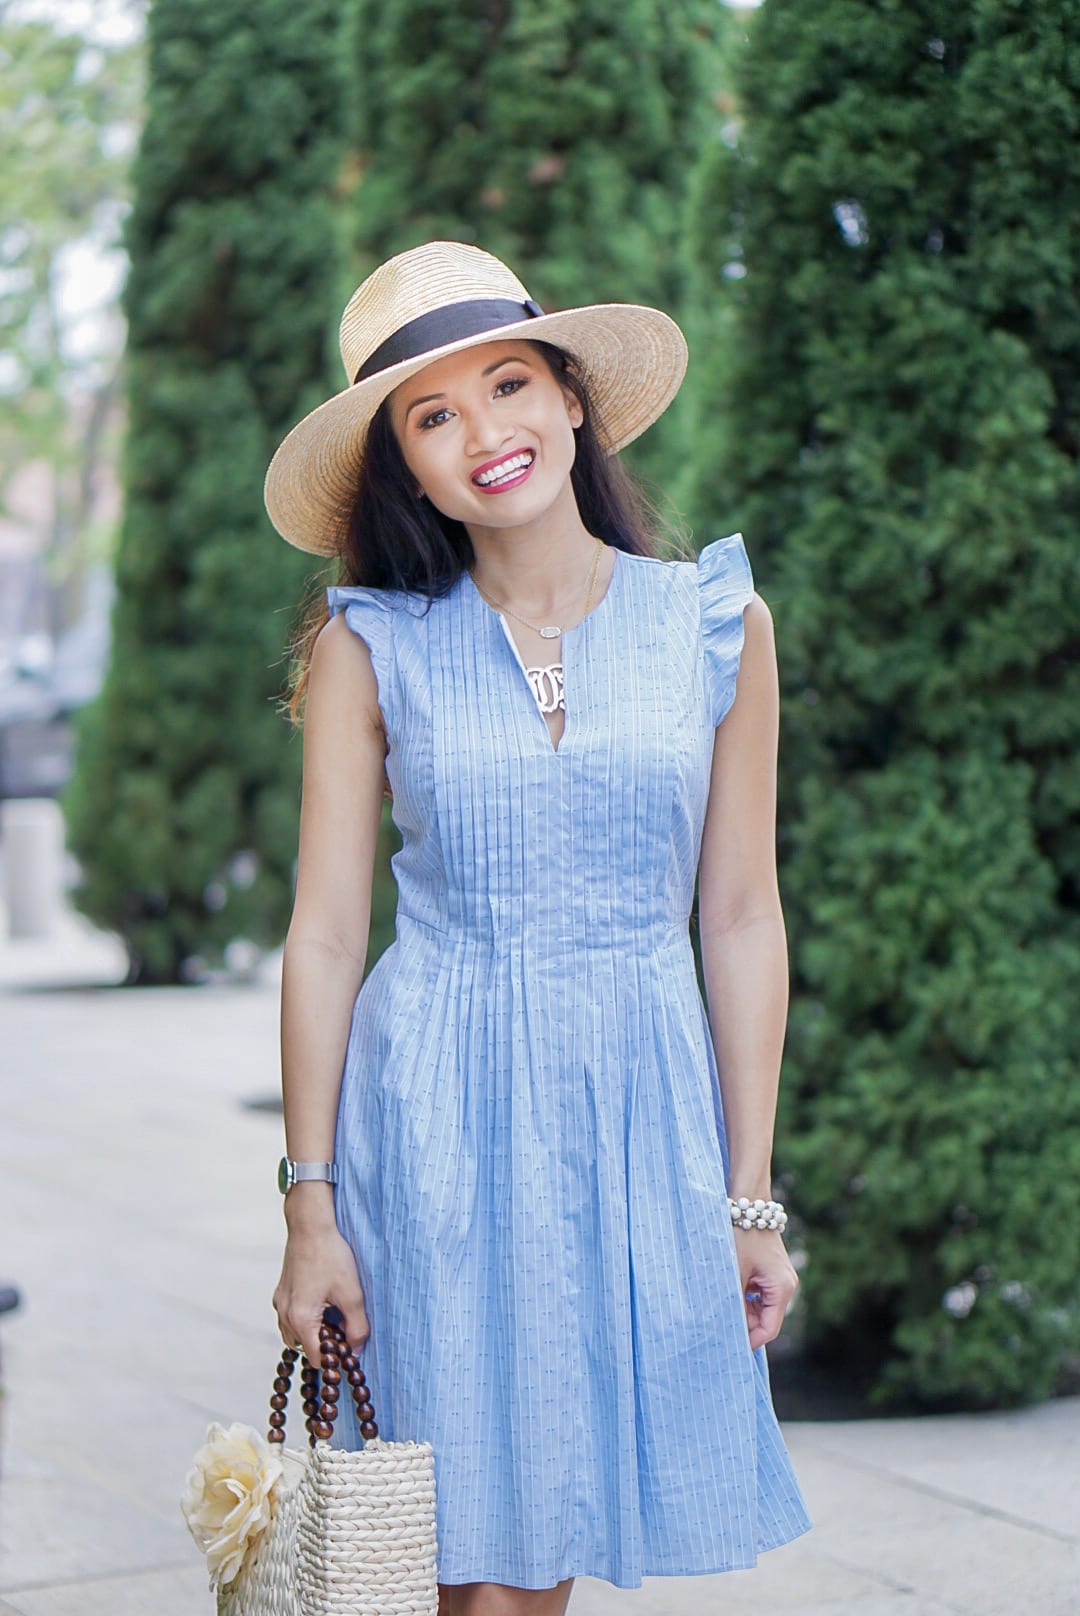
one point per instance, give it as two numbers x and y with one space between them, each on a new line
569 712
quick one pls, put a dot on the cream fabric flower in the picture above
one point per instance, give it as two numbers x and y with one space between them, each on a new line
230 1497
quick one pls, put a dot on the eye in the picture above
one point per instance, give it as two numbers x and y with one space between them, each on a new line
503 389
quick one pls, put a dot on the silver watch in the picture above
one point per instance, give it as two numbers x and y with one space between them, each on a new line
292 1172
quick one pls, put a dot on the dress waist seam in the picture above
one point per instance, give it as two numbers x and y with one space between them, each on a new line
659 934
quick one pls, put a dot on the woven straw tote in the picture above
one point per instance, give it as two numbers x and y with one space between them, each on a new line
353 1533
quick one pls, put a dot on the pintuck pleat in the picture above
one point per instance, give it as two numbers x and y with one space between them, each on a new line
529 1135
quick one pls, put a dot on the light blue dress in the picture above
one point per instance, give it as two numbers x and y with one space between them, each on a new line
529 1137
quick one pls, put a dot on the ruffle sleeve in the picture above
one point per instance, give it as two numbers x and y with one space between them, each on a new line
725 586
370 615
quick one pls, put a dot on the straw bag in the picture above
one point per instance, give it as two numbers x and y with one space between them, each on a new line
327 1532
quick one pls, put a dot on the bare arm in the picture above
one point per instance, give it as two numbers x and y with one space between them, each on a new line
744 951
323 965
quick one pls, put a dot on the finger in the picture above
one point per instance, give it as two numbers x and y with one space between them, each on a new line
765 1320
355 1320
293 1336
289 1337
306 1331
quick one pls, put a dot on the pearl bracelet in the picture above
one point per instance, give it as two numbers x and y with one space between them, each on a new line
746 1214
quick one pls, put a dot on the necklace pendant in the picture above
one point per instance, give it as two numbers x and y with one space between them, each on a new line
547 687
550 633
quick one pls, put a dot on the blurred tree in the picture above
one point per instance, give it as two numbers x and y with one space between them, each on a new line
559 136
183 810
68 117
897 226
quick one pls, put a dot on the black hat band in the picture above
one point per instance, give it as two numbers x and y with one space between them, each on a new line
442 326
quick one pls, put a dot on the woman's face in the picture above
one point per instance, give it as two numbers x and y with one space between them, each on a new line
488 433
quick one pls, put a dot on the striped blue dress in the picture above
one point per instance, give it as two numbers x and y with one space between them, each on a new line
529 1137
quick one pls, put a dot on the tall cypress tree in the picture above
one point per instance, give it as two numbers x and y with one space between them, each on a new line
559 135
897 228
183 810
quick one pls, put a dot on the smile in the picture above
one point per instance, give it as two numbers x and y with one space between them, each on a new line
500 474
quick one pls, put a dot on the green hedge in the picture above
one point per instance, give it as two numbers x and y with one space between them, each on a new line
183 808
900 446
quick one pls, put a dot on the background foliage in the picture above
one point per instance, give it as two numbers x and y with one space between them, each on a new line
562 136
68 113
903 454
183 811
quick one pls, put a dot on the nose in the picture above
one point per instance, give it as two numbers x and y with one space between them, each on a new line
485 430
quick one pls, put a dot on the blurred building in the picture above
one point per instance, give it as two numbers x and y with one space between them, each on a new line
54 633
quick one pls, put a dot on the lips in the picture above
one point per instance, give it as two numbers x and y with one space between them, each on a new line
506 471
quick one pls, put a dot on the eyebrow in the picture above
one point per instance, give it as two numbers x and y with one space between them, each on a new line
430 398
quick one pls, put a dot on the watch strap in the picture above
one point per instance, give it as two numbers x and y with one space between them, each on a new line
294 1172
308 1170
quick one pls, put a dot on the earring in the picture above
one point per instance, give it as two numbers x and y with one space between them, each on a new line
420 494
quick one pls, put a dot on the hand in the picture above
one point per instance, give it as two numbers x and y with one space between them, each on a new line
768 1276
318 1271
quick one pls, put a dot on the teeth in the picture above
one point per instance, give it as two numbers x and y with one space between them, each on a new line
505 468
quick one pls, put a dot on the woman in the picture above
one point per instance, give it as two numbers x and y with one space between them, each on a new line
534 1129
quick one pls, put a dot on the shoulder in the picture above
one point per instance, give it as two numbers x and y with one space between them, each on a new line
735 627
337 643
657 578
720 561
367 615
722 567
359 603
342 675
718 578
759 635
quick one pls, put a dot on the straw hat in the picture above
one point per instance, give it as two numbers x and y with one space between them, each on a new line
436 300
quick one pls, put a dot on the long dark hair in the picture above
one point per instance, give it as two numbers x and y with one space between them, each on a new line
389 539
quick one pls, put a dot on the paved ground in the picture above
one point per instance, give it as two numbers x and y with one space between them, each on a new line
140 1219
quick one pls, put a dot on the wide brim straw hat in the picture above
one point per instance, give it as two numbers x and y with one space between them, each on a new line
436 300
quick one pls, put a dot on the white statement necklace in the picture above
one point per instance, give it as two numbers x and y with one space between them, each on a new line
547 686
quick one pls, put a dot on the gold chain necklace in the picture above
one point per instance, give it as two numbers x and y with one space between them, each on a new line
550 631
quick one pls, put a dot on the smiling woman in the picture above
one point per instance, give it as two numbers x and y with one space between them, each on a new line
545 1159
391 535
496 407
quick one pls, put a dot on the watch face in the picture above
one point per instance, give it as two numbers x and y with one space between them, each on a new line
283 1175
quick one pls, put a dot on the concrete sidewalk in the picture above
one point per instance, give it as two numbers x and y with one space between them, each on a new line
142 1224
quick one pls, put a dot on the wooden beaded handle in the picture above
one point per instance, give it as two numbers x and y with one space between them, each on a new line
322 1388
